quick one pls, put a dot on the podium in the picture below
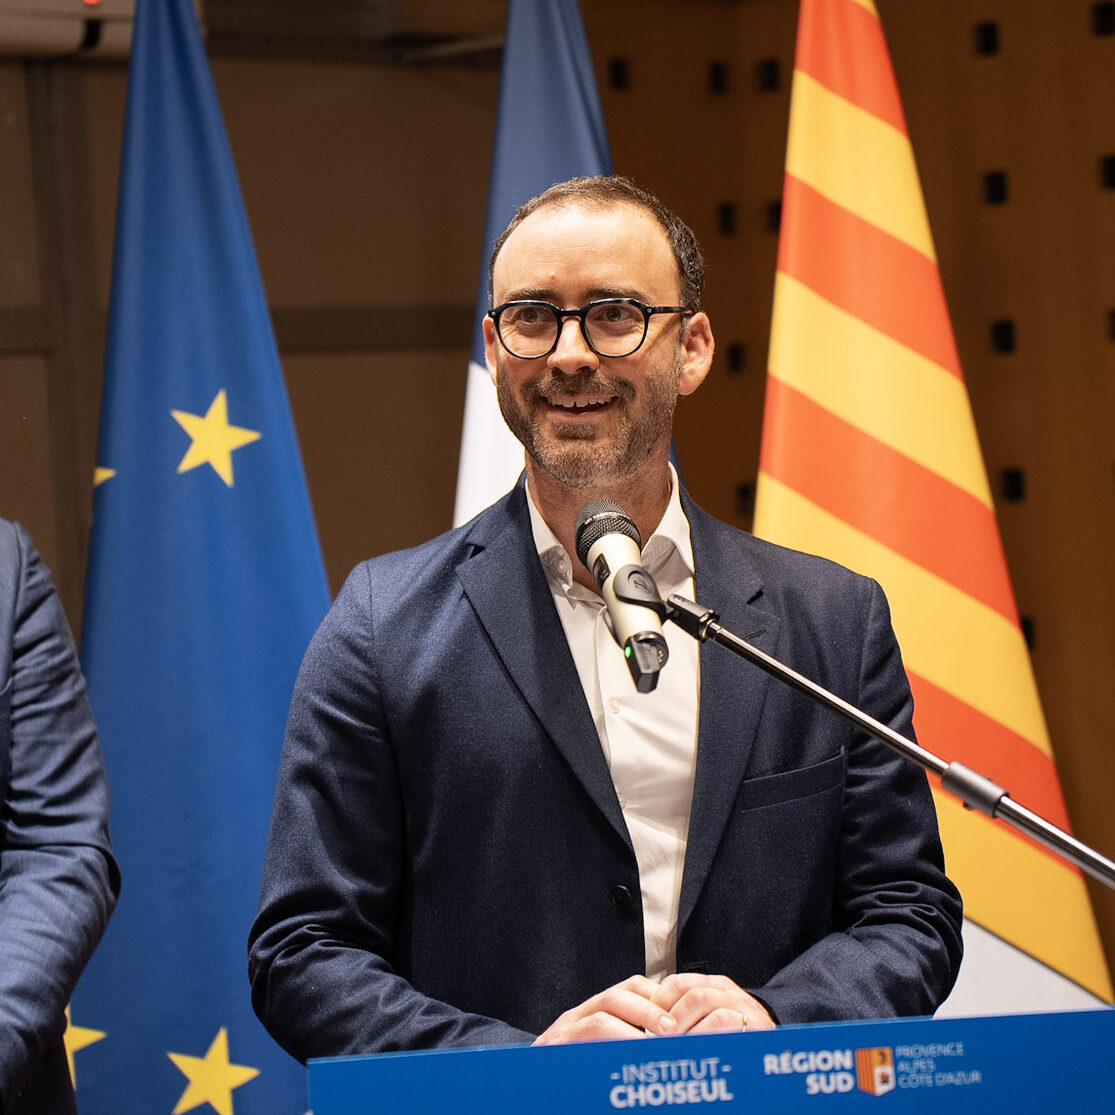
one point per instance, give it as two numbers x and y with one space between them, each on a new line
1014 1062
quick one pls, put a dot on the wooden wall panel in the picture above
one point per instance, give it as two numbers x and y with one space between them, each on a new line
19 268
380 435
25 464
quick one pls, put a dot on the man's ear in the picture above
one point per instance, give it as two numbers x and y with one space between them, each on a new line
699 346
491 343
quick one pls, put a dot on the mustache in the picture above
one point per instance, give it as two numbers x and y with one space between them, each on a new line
583 383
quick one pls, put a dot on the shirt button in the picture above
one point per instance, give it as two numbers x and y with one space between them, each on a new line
614 703
621 897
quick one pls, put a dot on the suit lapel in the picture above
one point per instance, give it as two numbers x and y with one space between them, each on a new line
732 691
505 583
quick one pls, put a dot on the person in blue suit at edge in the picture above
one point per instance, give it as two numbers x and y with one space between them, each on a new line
58 879
484 834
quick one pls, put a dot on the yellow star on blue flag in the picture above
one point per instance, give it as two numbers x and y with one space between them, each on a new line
213 438
77 1038
212 1078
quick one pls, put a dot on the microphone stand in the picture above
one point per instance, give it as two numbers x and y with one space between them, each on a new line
973 789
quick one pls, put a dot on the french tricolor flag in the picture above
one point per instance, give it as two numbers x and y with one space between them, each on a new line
550 127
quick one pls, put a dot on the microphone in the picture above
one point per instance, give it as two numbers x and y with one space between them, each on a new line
609 545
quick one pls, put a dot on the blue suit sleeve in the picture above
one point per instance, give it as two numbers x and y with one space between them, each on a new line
325 949
58 879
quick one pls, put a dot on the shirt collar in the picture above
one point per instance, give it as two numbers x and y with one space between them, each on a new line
667 554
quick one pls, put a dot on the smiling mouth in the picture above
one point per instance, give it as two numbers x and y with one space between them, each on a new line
581 405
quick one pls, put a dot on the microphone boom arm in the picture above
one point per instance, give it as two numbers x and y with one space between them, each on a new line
973 789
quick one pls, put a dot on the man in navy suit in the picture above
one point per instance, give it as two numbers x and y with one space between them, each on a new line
484 834
58 880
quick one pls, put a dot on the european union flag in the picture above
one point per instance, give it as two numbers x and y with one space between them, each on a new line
550 127
205 584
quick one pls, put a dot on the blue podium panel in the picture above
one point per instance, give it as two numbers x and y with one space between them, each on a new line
1028 1062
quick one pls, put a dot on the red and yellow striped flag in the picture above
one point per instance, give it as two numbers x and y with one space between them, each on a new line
870 457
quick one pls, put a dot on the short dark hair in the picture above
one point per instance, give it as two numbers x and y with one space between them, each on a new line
614 189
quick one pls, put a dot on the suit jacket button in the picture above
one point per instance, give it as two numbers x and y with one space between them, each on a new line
621 897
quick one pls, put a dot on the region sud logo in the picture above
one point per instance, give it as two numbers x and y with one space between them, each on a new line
875 1070
835 1071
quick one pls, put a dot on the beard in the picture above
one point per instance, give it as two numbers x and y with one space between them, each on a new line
575 455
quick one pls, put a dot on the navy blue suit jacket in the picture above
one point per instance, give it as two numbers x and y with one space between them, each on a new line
58 880
447 844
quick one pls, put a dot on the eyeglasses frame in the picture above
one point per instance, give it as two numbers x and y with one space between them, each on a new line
581 314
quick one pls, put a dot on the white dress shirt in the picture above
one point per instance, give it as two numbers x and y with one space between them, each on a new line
649 739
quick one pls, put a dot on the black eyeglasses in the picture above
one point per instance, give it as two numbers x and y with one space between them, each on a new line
611 327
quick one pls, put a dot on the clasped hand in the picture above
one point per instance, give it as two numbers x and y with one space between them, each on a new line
638 1007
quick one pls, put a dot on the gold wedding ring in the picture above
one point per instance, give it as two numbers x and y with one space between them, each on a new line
742 1021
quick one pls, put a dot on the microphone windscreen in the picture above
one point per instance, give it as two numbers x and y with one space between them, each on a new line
597 518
